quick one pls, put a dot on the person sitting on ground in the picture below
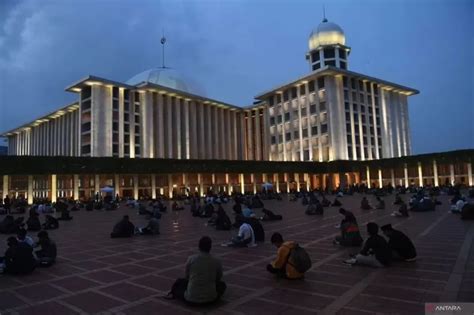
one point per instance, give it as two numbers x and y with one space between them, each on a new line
402 247
203 283
364 204
380 204
152 228
22 236
336 203
315 208
304 201
283 266
124 228
237 208
176 207
376 252
257 227
48 252
65 213
33 223
457 208
18 258
270 216
8 225
246 235
350 234
325 202
222 222
398 200
293 197
402 211
248 213
51 223
207 211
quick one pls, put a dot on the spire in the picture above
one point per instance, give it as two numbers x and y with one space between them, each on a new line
324 14
163 42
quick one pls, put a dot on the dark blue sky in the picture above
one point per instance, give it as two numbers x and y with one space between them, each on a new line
237 49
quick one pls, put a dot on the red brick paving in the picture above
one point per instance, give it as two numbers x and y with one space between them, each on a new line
129 276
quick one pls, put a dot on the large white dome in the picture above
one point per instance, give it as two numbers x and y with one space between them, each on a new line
327 33
166 77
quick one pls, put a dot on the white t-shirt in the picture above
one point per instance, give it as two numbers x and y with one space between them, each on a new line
246 232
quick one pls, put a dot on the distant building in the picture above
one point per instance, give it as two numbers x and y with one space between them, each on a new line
330 114
3 150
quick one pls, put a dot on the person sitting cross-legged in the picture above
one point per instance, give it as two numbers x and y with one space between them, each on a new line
203 283
282 266
402 211
336 203
376 252
350 234
23 237
33 223
246 235
48 252
124 228
380 204
222 221
364 204
402 247
51 223
152 228
18 258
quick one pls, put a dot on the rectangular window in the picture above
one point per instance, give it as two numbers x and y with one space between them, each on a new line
280 119
115 126
311 86
321 83
272 121
377 121
86 105
126 149
126 95
302 89
349 151
137 97
306 155
348 127
86 127
126 138
137 119
316 66
115 137
354 107
367 86
296 134
362 108
278 98
303 112
137 108
86 149
347 106
115 105
376 89
86 92
361 99
137 140
345 81
330 63
115 148
137 129
353 83
126 128
346 95
288 136
137 150
361 85
294 92
115 92
324 128
126 106
342 53
126 117
312 109
349 139
270 101
329 53
348 116
305 133
314 130
315 56
285 96
343 65
287 117
322 106
273 140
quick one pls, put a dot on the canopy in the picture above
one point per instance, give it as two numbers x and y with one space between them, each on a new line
267 185
107 189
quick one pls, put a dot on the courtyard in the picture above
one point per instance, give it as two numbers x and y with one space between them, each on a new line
97 274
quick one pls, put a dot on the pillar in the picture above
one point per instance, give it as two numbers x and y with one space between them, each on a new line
229 186
170 186
469 173
135 187
287 183
392 177
5 186
380 178
368 177
153 186
277 182
405 172
420 175
117 185
30 189
54 188
254 183
451 173
201 186
435 174
242 184
75 187
96 184
297 180
307 181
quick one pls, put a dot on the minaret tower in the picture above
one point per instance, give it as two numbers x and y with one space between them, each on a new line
327 47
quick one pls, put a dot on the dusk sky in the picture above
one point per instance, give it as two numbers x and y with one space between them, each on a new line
236 49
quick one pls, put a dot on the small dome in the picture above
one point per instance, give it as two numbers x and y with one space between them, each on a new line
327 33
166 77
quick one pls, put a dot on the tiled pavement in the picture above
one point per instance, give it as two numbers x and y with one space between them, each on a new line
96 274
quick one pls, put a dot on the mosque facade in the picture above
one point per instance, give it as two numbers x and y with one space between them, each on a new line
329 114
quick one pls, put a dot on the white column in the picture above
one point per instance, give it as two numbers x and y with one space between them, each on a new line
117 184
380 178
297 180
187 145
177 106
161 127
420 175
368 178
153 186
75 187
30 189
254 183
451 173
277 182
285 176
96 184
201 185
54 189
469 173
169 127
392 177
170 186
242 184
306 179
229 186
435 174
135 187
5 189
405 171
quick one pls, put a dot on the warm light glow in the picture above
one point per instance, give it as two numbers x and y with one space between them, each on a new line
93 83
326 38
76 89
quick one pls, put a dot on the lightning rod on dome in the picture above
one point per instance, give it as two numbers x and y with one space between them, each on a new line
324 13
163 42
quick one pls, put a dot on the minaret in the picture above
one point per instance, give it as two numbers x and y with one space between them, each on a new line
327 46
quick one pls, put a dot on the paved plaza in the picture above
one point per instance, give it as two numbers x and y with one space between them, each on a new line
97 274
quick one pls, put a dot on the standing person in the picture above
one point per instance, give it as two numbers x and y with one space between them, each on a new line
376 252
203 283
282 266
48 252
402 247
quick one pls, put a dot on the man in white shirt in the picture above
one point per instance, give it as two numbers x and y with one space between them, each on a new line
246 236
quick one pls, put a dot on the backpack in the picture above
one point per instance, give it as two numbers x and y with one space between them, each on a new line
300 259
